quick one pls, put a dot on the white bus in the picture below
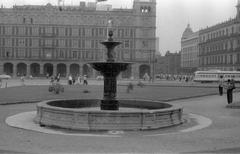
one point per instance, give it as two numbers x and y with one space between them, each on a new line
214 75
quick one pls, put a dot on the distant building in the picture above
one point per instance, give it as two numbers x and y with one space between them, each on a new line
168 64
47 40
160 67
189 51
219 45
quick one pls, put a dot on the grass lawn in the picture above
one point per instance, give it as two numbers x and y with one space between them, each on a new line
38 93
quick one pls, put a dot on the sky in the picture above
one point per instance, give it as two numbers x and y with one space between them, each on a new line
172 16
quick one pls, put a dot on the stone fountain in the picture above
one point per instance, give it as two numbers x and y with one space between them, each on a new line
108 113
110 70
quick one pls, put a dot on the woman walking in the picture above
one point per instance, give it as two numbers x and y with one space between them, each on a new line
220 85
230 86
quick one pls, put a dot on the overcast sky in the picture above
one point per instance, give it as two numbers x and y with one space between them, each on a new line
172 16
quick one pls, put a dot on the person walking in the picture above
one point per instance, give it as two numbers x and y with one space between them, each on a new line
85 82
58 77
22 80
229 87
70 79
220 85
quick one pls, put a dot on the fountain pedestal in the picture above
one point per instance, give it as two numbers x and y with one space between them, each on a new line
110 71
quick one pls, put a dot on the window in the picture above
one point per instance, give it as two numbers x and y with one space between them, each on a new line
92 43
66 31
61 54
7 54
83 32
83 43
74 54
79 32
93 32
126 43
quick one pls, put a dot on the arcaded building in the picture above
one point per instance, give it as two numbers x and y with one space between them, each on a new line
219 45
40 40
189 50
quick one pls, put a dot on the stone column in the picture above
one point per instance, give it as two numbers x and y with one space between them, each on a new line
67 69
1 68
28 70
54 69
14 70
41 69
80 69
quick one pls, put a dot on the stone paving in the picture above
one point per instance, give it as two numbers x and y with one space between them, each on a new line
222 136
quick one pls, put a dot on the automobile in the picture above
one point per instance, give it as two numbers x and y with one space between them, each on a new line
99 77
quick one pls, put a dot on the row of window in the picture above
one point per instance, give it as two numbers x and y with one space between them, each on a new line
190 49
220 46
219 33
64 31
219 59
48 54
76 43
63 54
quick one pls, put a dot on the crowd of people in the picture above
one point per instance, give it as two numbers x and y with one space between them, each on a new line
72 80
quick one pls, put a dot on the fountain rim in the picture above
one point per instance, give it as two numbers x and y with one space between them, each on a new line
44 104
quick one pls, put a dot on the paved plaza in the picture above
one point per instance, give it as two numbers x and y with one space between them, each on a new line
219 135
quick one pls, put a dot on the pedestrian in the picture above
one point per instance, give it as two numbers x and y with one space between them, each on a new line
47 75
22 80
129 87
85 82
52 80
70 79
58 77
220 85
78 80
230 86
31 77
73 80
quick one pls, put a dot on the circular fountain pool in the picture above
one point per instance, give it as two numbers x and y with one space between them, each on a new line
86 114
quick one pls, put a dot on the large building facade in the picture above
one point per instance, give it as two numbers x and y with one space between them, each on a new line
219 45
189 51
40 40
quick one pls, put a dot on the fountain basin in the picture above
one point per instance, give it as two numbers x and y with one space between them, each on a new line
110 67
86 115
